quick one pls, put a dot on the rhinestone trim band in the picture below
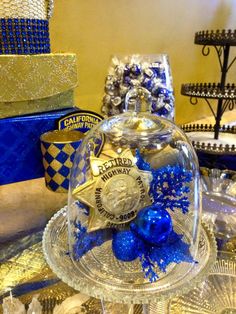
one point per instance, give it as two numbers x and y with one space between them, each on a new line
24 36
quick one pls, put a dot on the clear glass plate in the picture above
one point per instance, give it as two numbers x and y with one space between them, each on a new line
217 295
55 246
219 203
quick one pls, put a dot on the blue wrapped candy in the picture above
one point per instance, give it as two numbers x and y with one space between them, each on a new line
140 71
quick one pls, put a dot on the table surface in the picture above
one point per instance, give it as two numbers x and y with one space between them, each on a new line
24 273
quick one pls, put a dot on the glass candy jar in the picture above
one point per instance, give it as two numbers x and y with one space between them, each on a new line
151 72
134 206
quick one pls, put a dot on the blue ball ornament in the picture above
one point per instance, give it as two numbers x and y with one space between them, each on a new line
126 246
153 225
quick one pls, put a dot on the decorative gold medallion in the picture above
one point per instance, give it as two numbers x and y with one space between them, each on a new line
117 191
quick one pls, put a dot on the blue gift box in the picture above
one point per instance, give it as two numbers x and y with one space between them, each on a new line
20 154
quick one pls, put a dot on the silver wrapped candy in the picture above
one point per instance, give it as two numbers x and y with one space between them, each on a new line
149 72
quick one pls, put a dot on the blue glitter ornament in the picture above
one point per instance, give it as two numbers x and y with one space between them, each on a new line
126 246
153 225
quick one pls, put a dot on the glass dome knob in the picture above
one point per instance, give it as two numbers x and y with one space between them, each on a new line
138 99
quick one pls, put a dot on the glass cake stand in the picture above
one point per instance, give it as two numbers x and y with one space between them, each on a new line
55 247
219 203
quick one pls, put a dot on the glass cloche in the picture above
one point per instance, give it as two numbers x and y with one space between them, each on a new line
134 204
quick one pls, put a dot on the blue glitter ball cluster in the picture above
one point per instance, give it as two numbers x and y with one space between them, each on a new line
157 244
174 251
137 72
151 238
24 36
151 227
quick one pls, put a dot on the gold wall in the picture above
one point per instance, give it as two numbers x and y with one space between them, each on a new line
97 29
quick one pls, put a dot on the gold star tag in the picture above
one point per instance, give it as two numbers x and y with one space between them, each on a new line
117 191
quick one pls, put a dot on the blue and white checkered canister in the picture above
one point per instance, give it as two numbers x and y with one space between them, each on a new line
58 150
